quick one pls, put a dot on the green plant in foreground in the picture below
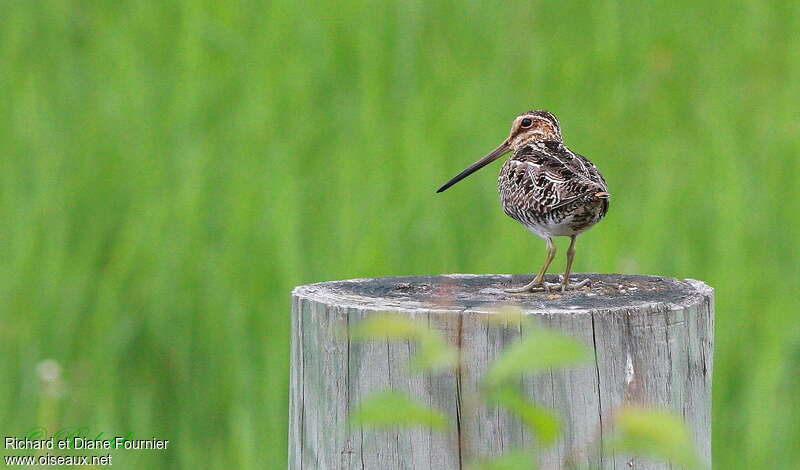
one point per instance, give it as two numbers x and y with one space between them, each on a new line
433 352
651 433
389 408
518 459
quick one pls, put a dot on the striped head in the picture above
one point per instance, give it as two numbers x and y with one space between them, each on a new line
537 125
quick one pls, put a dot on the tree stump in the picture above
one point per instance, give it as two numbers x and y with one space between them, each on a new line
652 339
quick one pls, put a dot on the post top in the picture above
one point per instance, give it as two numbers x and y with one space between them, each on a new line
485 292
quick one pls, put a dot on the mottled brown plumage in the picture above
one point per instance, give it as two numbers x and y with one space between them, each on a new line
545 186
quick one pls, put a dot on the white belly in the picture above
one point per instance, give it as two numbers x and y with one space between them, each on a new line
565 226
552 230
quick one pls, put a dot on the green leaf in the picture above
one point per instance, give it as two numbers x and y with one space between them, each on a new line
506 316
433 351
540 421
389 408
653 433
540 350
513 460
393 327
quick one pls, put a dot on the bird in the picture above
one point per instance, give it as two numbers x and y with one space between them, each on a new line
549 189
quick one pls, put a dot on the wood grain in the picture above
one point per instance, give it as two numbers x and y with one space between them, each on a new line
652 339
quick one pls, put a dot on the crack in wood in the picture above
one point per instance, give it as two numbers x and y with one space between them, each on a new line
459 404
599 387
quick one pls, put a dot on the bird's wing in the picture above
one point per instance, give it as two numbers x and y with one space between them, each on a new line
576 163
543 181
591 171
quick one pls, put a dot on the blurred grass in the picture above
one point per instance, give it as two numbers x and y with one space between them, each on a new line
171 169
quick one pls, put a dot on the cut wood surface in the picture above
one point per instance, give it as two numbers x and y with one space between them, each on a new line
652 344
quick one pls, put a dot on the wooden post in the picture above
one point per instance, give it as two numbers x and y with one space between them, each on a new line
652 339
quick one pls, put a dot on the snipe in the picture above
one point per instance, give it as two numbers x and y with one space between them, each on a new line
546 187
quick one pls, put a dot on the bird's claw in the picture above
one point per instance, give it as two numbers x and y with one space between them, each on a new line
566 285
533 286
547 286
525 289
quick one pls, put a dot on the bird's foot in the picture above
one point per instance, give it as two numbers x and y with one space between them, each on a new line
565 285
535 285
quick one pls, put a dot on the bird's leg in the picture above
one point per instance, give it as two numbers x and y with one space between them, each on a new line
538 281
565 285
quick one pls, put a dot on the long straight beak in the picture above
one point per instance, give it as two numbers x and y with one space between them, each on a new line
492 156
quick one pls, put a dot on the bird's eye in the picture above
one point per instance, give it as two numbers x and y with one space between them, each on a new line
526 122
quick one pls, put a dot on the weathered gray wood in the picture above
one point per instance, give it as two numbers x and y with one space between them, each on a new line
652 339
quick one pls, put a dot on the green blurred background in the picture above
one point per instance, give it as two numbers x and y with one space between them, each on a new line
170 170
